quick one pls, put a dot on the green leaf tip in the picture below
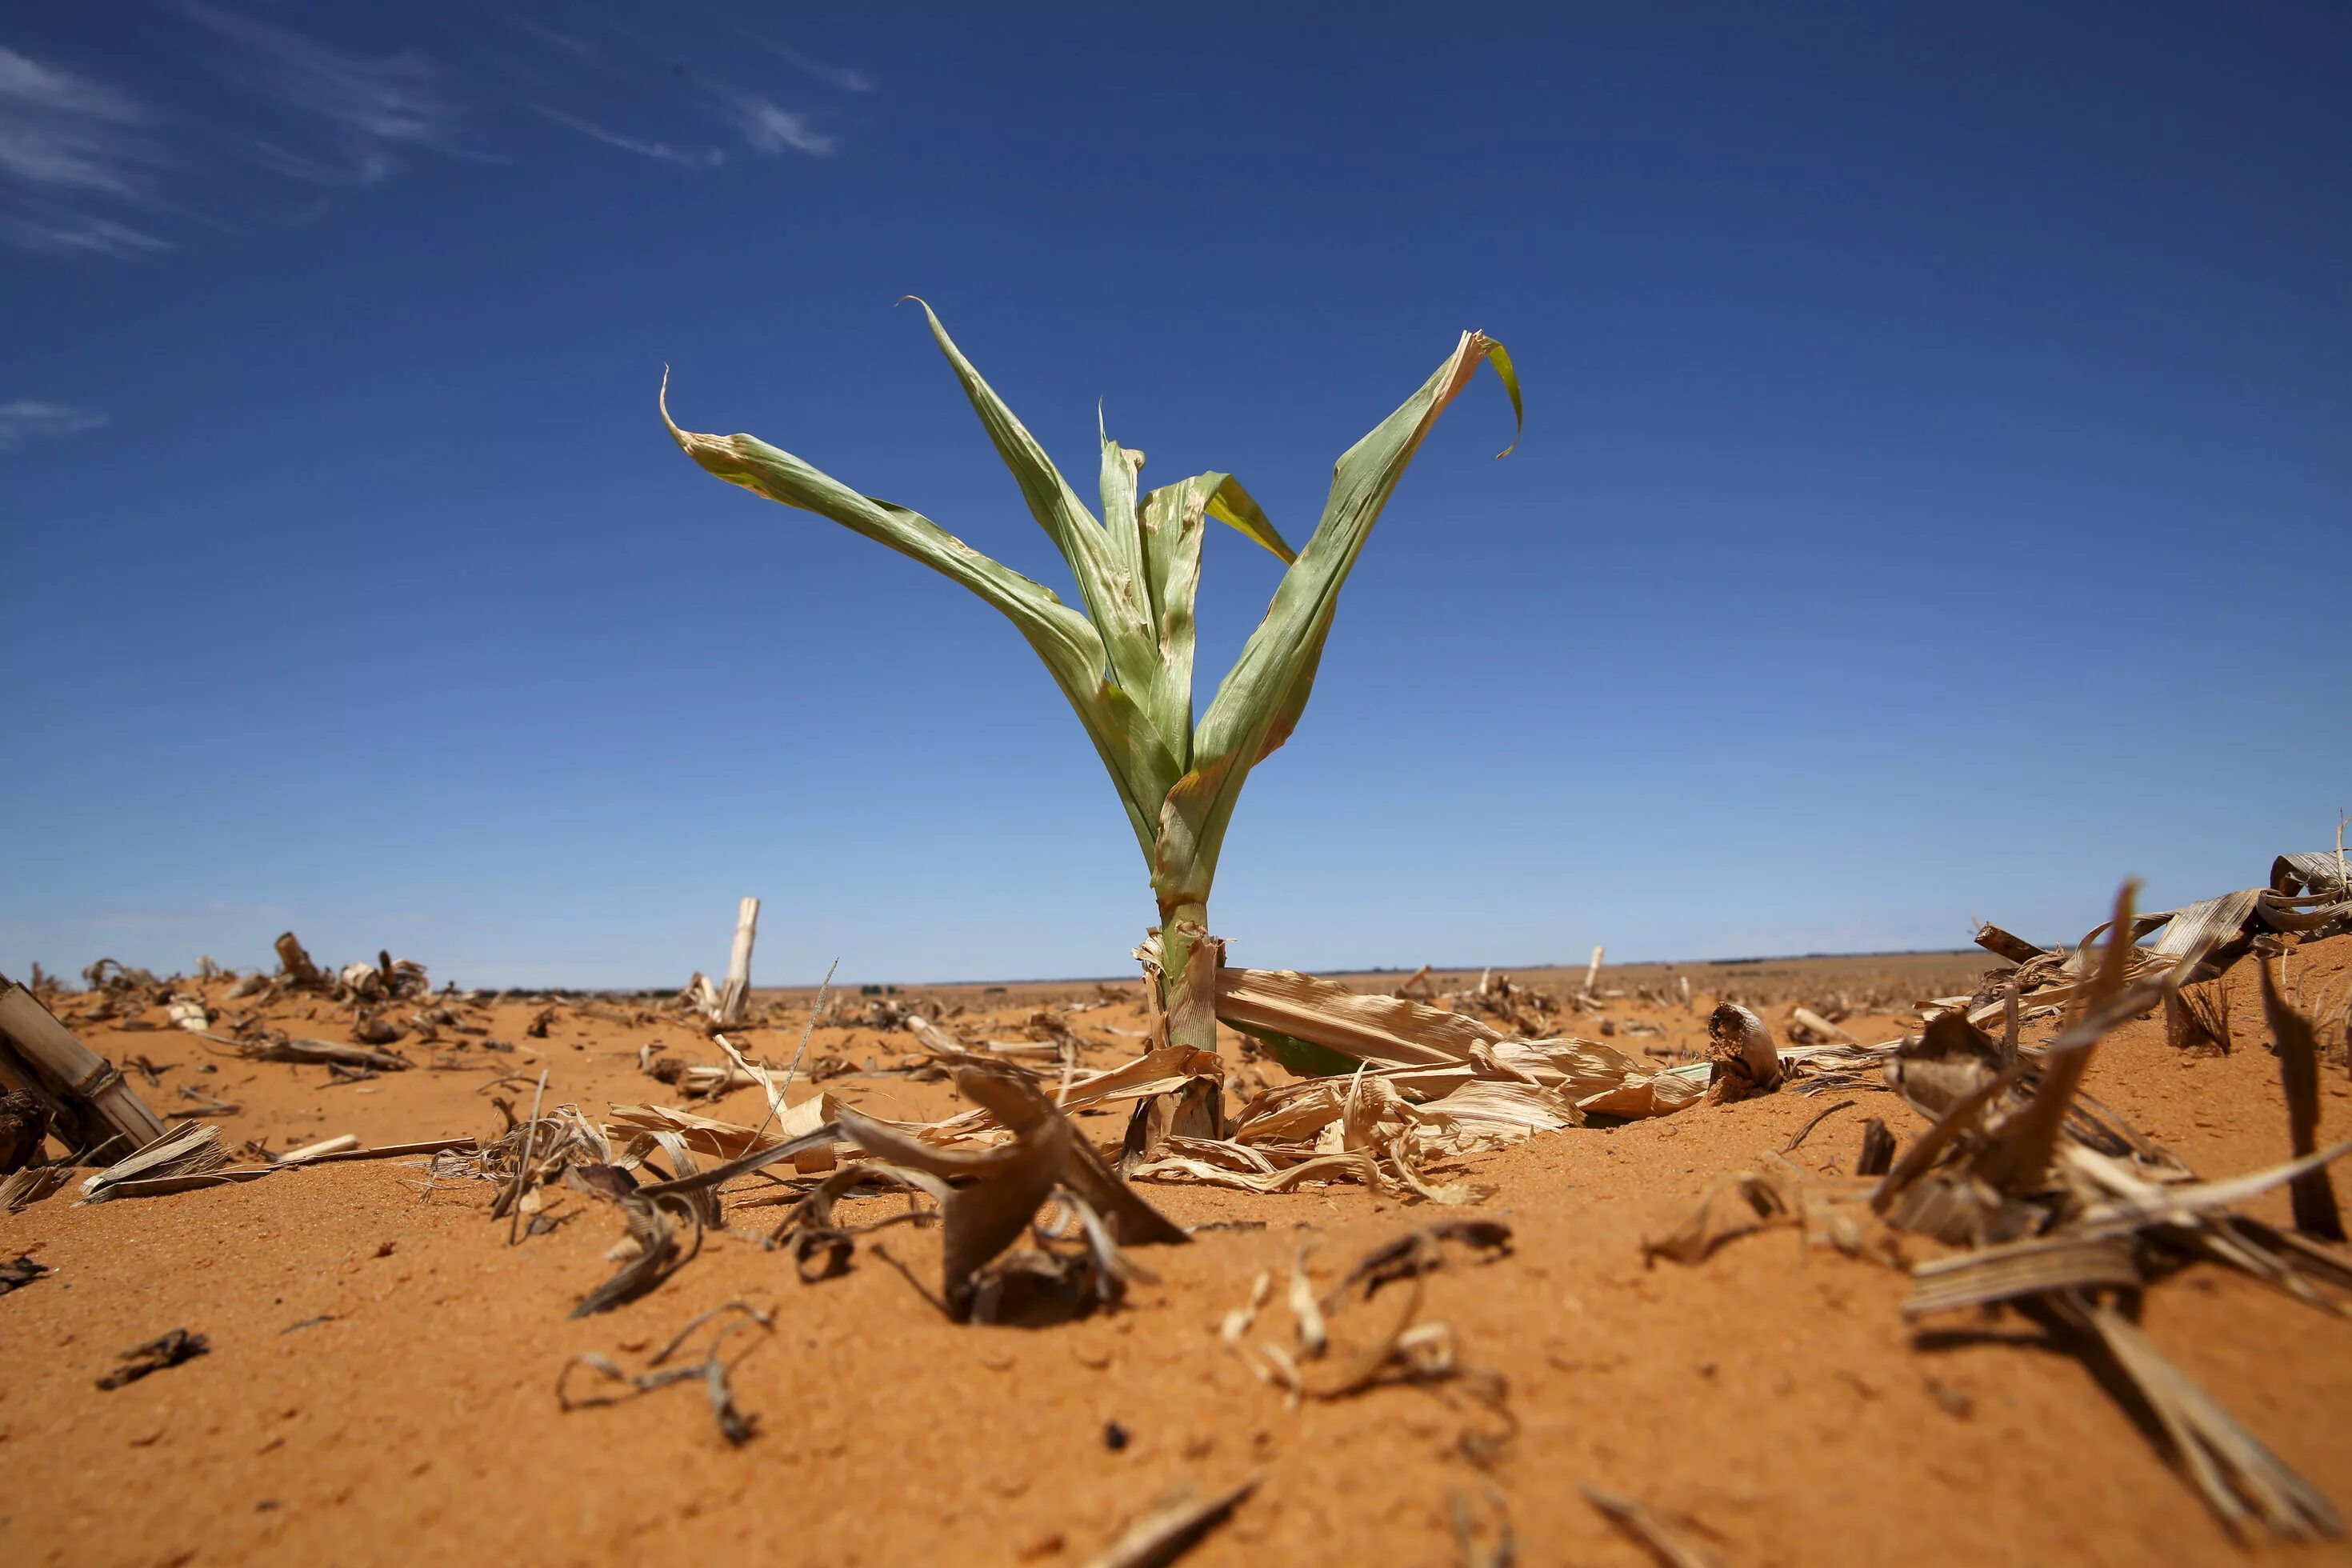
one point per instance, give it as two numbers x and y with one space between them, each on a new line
1500 358
661 400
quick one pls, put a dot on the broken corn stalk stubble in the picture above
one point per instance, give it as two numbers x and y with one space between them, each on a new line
1125 664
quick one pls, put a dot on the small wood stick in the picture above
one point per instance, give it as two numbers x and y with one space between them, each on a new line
522 1171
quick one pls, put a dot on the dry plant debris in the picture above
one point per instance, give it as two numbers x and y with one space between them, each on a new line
987 1197
1487 1542
2067 1214
1422 1251
330 1053
189 1150
2051 1205
734 1424
20 1271
85 1101
1670 1538
165 1350
1742 1056
21 1189
2307 897
1421 1088
2315 1212
24 1123
1409 1349
821 1248
1172 1526
1047 1157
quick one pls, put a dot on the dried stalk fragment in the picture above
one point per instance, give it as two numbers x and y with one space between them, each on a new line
91 1108
2240 1479
2315 1212
712 1370
1765 1196
24 1125
2002 944
2020 1270
1175 1524
329 1053
1812 1023
1668 1538
1793 1145
1410 1350
462 1145
294 964
1745 1061
1877 1155
736 990
1421 1252
342 1143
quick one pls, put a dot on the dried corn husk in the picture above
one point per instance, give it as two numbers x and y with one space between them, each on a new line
1008 1182
727 1139
191 1151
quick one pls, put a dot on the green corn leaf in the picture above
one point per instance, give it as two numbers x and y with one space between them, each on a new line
1114 599
1303 1058
1500 358
1171 518
1262 698
1171 527
1232 505
1065 640
1123 523
1157 540
1294 700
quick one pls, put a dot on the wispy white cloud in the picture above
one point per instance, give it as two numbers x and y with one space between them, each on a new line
62 130
769 127
89 169
373 107
28 420
685 157
766 127
843 76
68 234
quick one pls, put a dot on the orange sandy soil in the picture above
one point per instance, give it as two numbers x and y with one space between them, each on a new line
1773 1394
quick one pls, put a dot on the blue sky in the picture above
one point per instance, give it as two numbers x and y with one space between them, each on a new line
1932 506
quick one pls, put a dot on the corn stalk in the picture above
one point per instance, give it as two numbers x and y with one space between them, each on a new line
1125 664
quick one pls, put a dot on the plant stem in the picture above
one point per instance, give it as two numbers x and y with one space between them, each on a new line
1181 926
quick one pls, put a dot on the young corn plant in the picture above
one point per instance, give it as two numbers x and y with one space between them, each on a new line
1125 663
